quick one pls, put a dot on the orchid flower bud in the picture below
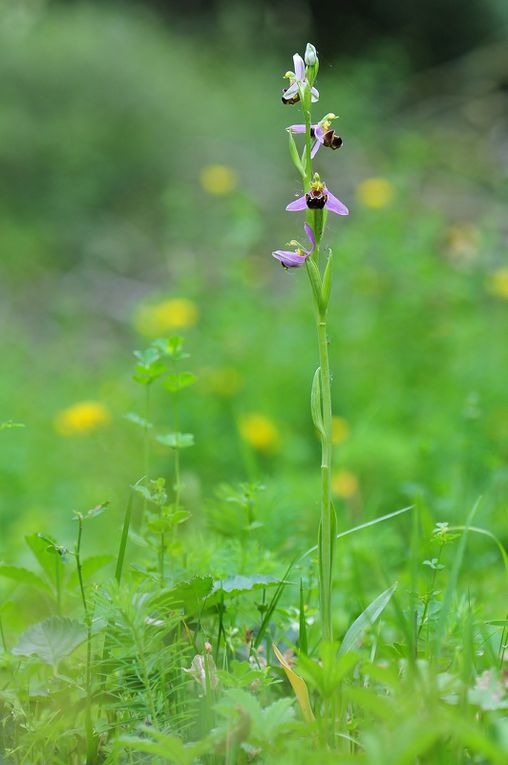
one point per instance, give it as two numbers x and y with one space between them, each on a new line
310 55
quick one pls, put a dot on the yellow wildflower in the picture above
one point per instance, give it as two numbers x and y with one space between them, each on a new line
344 484
375 193
260 432
225 381
497 283
340 430
81 417
154 320
218 179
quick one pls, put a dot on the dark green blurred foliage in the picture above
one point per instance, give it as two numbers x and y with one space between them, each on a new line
108 121
432 32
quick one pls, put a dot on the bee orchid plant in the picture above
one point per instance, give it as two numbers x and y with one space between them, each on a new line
315 201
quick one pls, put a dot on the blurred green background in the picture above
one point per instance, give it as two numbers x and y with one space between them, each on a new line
143 179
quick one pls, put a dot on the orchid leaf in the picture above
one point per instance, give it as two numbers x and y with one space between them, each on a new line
327 279
315 402
293 151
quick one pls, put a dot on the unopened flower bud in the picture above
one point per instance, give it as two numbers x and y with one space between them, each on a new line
310 55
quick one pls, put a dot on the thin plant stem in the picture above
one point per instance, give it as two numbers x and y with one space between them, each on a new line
123 539
327 530
91 742
58 585
146 449
2 636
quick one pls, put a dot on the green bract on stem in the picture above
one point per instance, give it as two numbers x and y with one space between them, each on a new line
316 202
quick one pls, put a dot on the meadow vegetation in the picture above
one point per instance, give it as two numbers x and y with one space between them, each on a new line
159 587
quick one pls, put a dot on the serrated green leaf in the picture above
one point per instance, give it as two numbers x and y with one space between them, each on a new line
366 619
23 576
239 585
189 595
51 640
177 440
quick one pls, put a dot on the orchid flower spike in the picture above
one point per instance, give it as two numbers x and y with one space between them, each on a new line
322 133
317 198
296 258
297 83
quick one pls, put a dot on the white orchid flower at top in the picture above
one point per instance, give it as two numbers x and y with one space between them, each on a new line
298 82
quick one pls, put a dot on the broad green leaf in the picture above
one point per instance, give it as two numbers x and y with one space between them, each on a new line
298 684
315 402
189 595
89 567
177 440
23 576
51 639
49 555
366 619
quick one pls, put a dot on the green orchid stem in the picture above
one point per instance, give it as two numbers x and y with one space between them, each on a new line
327 535
326 542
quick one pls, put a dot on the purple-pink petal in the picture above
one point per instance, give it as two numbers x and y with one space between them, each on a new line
290 259
298 204
296 128
315 149
319 133
310 237
299 66
291 91
334 204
